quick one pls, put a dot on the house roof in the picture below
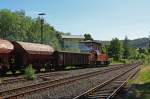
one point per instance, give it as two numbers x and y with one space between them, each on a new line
89 41
72 36
6 46
35 48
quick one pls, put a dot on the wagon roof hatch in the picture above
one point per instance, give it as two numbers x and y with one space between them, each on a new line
35 48
6 46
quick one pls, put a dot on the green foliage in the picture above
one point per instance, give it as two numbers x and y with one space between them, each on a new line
136 43
88 37
112 62
141 84
149 44
124 61
145 59
144 75
126 54
29 73
134 54
126 48
115 49
104 49
19 27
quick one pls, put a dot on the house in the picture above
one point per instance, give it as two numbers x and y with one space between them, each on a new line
71 42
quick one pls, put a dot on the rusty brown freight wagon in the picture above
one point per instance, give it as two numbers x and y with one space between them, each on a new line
6 49
65 58
39 55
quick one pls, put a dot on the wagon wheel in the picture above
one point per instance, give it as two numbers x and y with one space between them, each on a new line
13 71
22 71
2 72
48 68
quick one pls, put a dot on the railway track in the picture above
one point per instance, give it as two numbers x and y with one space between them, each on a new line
29 89
22 78
109 88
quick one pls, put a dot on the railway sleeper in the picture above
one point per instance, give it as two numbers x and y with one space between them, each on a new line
114 85
119 81
96 97
102 94
105 91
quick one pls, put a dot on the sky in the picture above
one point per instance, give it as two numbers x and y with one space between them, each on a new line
103 19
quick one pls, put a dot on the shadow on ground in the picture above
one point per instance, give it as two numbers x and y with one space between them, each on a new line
136 91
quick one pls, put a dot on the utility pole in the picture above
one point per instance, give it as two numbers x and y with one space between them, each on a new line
42 23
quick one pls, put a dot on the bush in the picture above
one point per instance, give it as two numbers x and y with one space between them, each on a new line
124 61
30 73
111 60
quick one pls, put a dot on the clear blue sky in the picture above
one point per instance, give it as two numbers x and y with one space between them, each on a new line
104 19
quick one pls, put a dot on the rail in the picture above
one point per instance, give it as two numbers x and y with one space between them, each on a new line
93 90
12 93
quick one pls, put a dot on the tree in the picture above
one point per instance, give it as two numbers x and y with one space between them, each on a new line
7 20
104 49
88 37
149 45
19 27
134 54
115 49
126 48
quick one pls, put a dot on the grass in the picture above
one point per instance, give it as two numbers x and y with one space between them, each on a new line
122 61
141 85
115 62
30 73
144 75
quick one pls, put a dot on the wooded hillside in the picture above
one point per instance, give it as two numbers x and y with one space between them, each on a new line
136 43
17 26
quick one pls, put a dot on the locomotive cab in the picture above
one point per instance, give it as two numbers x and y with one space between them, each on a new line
98 58
94 48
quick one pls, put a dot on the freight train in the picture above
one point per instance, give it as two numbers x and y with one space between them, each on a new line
16 55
